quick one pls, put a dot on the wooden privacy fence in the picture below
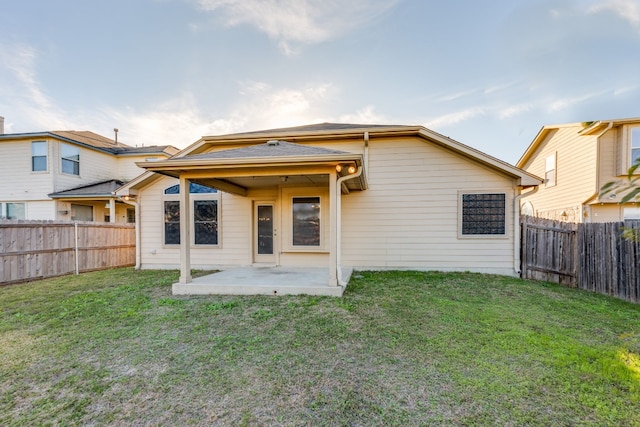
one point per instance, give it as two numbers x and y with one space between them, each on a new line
591 256
32 250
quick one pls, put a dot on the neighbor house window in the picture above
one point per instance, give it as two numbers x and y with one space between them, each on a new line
70 159
483 214
38 156
205 210
15 211
81 213
550 171
306 221
131 215
635 144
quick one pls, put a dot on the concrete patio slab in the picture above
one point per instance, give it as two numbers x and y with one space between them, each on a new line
264 281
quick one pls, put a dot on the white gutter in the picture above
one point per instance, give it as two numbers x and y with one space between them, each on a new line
339 222
517 230
136 205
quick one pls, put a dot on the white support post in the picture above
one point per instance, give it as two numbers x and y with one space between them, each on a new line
185 232
333 227
112 210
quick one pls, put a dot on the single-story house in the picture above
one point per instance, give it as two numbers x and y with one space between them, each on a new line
329 196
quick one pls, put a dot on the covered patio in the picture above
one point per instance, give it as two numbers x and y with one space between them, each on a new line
296 177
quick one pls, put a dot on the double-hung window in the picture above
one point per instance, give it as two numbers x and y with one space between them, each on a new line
38 156
635 144
70 159
483 214
205 209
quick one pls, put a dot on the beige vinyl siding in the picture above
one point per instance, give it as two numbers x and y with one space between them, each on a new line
17 181
408 218
576 160
41 210
127 168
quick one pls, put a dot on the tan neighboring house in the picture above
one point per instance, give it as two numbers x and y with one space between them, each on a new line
329 195
68 175
576 160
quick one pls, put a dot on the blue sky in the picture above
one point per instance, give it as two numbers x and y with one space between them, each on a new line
489 74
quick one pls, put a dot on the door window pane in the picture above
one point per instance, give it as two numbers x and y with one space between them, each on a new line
306 221
265 229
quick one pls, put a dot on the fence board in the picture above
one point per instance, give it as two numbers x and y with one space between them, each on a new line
36 249
592 256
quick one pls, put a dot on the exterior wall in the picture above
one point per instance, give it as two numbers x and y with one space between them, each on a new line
576 180
17 181
409 216
606 213
127 168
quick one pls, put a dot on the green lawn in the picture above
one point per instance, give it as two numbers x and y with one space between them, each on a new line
400 348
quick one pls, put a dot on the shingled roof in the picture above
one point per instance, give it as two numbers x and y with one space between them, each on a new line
98 189
269 149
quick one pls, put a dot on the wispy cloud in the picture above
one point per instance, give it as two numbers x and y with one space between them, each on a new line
21 90
455 117
290 22
628 10
571 101
514 110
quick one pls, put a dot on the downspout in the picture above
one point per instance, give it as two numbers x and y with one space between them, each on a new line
339 222
366 150
138 231
596 195
516 229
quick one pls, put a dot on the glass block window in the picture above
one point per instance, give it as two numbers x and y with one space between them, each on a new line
484 214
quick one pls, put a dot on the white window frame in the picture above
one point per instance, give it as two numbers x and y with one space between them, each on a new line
193 197
290 193
550 171
46 157
507 224
62 159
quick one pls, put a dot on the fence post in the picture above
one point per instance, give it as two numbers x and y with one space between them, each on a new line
75 226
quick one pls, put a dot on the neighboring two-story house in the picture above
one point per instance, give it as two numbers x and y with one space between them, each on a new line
68 175
576 160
